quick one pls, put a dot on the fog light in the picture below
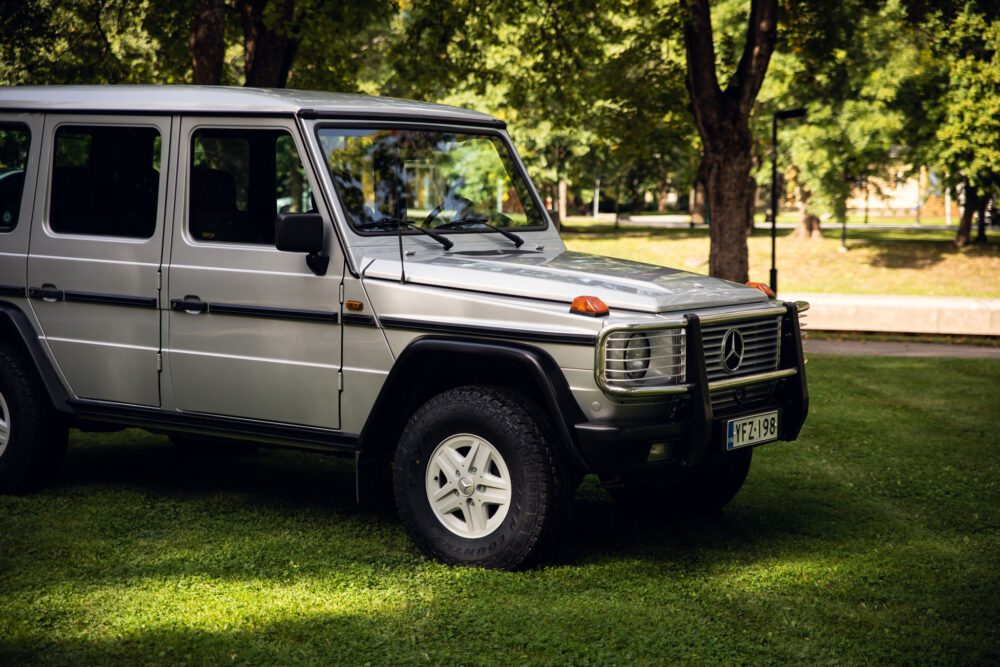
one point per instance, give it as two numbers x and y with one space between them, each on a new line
658 451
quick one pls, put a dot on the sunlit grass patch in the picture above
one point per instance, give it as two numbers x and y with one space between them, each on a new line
873 538
878 261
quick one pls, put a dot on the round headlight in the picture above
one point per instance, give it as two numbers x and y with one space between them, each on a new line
636 356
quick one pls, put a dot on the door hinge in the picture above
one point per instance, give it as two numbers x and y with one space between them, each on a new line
341 292
340 380
159 281
159 362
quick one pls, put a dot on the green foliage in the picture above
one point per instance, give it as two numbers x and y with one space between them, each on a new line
126 41
587 89
338 41
593 89
872 539
890 85
968 136
843 62
113 41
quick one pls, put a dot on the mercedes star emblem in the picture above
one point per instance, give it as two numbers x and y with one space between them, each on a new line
732 350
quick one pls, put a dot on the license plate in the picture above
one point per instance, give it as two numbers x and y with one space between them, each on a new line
752 430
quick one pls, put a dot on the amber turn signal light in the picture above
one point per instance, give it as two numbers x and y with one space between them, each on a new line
354 305
589 305
763 288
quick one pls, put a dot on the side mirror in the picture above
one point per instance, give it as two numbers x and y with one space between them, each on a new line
302 232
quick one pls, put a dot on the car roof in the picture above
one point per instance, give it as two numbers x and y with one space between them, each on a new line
231 101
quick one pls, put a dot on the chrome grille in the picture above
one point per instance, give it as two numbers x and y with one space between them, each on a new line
760 352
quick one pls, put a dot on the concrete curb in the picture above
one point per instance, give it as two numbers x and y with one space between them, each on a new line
901 314
897 349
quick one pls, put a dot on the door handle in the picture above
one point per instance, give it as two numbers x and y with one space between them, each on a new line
189 304
46 292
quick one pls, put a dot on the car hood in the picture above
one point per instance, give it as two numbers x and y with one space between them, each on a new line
563 275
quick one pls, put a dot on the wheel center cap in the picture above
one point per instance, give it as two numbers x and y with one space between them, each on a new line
466 485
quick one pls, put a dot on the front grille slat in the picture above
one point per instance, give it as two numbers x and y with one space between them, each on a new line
760 352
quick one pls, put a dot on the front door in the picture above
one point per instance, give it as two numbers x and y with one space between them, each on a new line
95 249
252 332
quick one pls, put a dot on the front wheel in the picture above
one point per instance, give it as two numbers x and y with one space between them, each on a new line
477 479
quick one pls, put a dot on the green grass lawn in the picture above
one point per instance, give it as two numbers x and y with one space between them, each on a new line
879 261
874 538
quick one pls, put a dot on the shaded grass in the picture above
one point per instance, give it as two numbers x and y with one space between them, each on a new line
872 538
879 261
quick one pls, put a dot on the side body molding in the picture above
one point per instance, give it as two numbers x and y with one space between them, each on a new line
14 324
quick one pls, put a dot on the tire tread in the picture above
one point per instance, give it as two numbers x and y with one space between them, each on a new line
38 436
544 468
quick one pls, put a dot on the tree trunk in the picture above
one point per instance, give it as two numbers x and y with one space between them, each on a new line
637 196
725 175
751 202
563 208
981 227
663 194
268 53
722 118
697 203
971 205
808 225
295 189
207 42
867 195
618 197
597 196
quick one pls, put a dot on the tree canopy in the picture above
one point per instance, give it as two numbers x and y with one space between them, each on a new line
641 97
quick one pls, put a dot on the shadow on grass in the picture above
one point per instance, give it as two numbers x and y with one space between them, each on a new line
136 460
219 516
911 255
768 517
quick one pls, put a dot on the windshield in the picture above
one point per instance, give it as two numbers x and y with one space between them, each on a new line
432 179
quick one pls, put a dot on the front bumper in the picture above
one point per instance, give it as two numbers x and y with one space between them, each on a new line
694 432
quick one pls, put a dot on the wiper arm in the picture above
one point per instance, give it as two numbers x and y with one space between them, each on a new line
396 223
468 222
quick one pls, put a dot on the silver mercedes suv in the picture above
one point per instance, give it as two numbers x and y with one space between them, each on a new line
370 277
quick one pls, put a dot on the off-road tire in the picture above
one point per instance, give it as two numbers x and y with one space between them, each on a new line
35 434
699 493
539 481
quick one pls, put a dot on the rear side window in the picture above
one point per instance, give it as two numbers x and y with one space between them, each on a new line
105 181
240 181
14 140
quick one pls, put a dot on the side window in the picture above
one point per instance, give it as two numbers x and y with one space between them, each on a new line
240 181
105 181
14 141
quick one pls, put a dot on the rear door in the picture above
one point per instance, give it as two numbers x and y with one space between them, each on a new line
252 331
95 250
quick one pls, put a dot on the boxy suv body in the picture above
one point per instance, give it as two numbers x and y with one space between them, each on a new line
371 277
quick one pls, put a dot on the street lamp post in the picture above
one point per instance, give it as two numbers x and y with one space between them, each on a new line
778 115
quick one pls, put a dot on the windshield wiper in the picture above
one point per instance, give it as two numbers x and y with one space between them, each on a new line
396 223
470 221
